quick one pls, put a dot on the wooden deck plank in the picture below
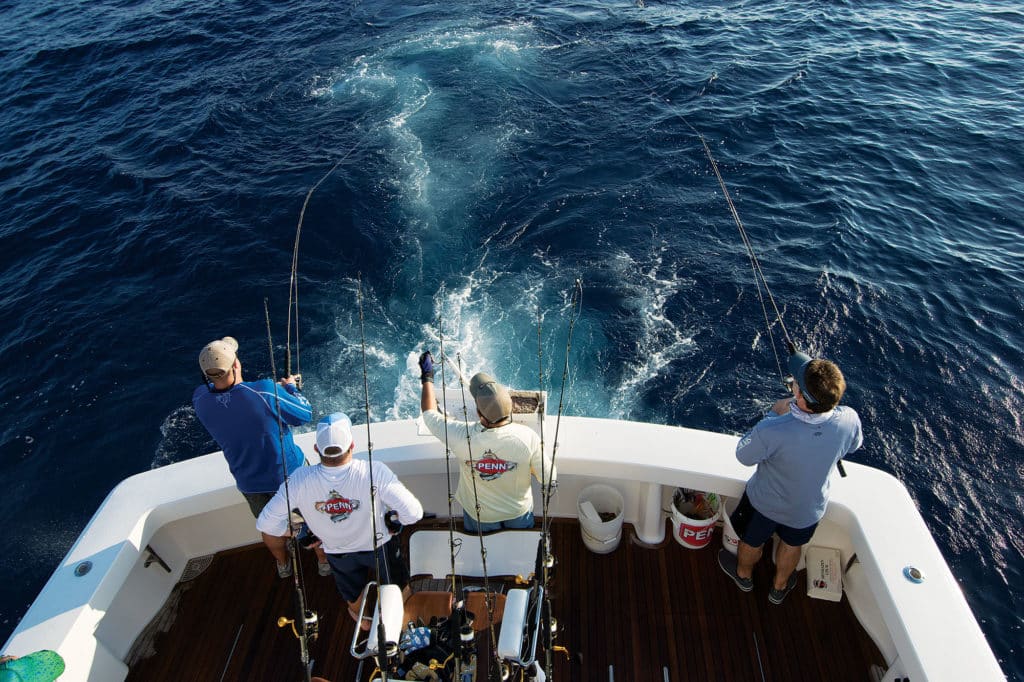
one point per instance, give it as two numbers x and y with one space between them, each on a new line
636 609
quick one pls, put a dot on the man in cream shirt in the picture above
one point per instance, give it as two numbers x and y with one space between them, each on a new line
500 456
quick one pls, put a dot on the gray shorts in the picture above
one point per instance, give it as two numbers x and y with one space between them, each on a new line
257 501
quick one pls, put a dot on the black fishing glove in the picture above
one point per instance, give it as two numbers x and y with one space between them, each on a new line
392 522
426 367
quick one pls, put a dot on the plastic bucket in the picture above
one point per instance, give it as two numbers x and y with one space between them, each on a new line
691 532
730 539
600 537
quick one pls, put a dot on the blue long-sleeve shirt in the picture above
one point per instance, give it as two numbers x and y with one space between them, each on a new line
794 454
243 421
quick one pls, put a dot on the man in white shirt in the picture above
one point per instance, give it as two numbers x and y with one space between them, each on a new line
333 498
499 454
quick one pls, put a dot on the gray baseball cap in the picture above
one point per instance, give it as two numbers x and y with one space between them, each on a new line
492 399
798 368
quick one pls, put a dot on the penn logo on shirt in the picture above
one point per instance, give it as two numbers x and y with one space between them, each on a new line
490 466
337 507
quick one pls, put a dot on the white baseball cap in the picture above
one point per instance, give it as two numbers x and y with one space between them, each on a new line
334 431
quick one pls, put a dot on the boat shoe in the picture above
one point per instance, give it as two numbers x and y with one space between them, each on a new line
776 596
727 560
324 568
284 570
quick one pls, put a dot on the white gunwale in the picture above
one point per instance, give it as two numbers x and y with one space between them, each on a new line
192 508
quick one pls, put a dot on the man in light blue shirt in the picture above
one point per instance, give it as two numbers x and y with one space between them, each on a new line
795 447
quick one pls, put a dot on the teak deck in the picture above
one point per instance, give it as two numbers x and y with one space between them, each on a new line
635 614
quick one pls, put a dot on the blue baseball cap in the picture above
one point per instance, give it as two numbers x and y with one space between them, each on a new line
798 368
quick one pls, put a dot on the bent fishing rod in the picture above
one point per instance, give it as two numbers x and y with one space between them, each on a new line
759 277
307 621
293 283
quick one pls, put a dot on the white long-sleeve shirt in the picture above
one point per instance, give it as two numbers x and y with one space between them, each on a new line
335 502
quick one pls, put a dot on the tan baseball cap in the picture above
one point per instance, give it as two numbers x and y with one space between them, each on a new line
492 399
217 357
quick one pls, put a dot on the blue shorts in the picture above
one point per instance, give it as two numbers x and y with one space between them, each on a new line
754 528
470 525
351 571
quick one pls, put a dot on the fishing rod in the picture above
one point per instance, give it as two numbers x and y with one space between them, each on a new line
385 650
447 459
293 283
759 277
575 308
308 623
459 625
544 565
488 597
549 624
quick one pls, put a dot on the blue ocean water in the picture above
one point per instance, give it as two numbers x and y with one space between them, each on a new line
154 159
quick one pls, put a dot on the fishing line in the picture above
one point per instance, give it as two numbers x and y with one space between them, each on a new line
755 264
759 278
307 620
381 640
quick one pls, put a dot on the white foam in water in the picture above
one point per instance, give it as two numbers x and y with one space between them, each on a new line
660 341
441 165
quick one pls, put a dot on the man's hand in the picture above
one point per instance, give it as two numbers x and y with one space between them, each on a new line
781 406
426 367
394 526
294 379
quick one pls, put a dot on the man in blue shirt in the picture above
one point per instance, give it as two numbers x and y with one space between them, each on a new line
795 447
242 416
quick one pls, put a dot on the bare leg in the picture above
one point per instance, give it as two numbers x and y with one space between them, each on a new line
786 559
353 610
276 546
746 557
321 557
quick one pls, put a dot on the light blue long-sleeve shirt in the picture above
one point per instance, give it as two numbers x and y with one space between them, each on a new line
795 454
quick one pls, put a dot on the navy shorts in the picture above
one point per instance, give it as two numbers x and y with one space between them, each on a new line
352 570
754 528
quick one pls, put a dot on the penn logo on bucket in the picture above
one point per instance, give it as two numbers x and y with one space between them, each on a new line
694 515
696 536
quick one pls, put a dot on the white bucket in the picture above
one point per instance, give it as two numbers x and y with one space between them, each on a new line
730 539
694 533
600 537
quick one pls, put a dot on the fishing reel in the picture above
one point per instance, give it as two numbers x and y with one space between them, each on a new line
310 625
